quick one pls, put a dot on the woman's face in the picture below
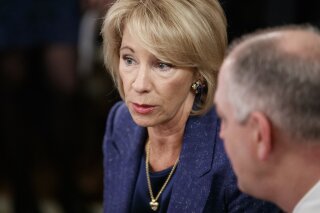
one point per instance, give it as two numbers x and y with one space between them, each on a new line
155 92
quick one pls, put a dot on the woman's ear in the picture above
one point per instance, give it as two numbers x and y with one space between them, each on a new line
261 126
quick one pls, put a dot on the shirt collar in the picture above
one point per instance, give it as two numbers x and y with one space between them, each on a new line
310 202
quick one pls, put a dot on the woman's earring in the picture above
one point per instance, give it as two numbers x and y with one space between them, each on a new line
197 87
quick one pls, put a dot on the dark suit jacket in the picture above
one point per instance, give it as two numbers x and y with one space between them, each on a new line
204 181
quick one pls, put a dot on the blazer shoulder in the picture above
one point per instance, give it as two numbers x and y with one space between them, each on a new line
212 113
118 116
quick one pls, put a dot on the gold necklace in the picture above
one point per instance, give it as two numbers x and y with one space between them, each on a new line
153 203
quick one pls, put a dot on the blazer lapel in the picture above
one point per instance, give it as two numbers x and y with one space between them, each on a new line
129 146
193 178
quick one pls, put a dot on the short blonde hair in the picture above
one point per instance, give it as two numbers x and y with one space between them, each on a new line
185 33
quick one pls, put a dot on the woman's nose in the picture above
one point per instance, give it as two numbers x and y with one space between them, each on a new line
141 82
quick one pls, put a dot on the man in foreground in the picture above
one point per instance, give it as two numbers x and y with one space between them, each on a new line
268 99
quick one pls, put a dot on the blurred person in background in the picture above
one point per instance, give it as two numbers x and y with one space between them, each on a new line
38 84
161 148
50 132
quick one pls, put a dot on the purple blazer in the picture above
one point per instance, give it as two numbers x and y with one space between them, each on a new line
204 180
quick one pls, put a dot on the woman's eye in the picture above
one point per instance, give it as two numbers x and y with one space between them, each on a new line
164 66
128 60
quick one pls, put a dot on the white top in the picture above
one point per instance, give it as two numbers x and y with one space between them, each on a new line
310 202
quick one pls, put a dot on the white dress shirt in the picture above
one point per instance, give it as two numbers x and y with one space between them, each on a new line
310 202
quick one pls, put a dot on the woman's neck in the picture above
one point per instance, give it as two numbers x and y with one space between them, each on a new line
165 146
165 140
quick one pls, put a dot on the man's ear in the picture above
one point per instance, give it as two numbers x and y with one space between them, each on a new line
261 127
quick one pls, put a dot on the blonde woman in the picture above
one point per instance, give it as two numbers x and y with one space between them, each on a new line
161 149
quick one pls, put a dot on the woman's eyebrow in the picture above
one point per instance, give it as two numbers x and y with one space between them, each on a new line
126 47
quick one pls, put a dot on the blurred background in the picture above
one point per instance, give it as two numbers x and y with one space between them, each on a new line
55 95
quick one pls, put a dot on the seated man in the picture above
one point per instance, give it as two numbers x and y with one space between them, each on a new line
268 98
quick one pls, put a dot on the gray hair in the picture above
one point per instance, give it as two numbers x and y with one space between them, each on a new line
285 85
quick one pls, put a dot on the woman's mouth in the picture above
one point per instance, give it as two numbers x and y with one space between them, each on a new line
142 108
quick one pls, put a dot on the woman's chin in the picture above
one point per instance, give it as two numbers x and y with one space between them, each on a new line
141 119
143 122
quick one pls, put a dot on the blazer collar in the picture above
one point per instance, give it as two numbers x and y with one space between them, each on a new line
129 144
199 142
193 177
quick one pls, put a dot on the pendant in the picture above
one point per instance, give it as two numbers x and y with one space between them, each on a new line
154 205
